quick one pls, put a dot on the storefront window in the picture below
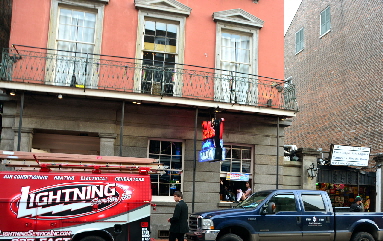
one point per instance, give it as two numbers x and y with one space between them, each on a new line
169 153
235 172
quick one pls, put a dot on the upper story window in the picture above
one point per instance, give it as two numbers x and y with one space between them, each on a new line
76 34
325 21
170 154
161 44
299 40
237 56
159 56
235 52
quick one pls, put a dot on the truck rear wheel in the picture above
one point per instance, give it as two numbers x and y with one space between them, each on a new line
363 236
230 237
92 238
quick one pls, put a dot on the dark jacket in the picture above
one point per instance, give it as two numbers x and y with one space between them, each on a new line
355 208
179 221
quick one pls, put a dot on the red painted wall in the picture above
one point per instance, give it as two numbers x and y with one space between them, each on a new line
31 19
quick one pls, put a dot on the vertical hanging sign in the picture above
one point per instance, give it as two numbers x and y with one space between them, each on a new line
212 142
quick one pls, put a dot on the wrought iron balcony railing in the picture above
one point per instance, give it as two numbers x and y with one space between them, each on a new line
88 71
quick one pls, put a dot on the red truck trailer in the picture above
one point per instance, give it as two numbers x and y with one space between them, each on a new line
77 205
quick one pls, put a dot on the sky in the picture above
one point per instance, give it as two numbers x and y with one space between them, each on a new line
291 7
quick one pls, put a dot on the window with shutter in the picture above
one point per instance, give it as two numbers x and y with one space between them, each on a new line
299 41
325 21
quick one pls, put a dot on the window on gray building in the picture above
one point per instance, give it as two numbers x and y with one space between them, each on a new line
325 21
169 153
299 41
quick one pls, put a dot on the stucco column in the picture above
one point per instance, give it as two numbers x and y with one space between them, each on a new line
107 143
26 139
309 160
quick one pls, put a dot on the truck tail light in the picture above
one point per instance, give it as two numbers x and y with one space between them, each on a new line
144 224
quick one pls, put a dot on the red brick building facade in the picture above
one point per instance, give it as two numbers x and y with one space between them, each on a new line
333 52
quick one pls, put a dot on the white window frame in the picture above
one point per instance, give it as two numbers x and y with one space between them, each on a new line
84 5
169 198
171 11
299 41
251 147
324 13
239 22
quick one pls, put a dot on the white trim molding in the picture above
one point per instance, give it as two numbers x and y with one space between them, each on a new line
170 6
238 16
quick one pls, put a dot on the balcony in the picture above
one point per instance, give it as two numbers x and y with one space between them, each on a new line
136 79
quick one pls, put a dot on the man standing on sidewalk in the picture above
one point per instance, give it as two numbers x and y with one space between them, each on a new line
179 222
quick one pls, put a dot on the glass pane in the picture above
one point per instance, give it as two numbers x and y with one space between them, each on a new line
172 31
154 189
284 202
246 153
65 16
90 20
245 42
149 39
77 18
157 157
154 147
160 29
228 151
225 166
176 164
165 178
246 166
313 202
149 28
164 190
236 153
165 160
166 147
236 165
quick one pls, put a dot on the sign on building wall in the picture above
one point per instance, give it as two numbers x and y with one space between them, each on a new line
212 142
237 176
349 155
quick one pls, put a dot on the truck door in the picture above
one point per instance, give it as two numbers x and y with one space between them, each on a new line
317 221
284 224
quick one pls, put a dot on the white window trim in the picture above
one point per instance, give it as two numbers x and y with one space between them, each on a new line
95 5
169 198
91 5
303 45
223 174
240 22
320 25
172 11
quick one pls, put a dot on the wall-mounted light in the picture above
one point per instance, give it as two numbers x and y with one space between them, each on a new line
12 92
137 102
312 171
60 96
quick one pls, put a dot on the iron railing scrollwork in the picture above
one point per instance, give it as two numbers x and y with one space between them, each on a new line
81 70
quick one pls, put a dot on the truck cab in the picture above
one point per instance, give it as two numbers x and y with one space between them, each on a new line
284 215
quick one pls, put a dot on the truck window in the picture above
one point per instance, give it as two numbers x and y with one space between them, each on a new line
284 202
313 202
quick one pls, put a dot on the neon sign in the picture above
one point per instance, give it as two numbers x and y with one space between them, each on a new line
212 142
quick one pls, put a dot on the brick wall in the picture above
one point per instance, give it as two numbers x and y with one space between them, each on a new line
339 76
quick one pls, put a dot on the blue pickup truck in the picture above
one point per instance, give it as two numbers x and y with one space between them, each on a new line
293 215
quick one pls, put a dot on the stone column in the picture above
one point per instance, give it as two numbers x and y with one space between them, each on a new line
107 144
309 159
379 187
26 139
